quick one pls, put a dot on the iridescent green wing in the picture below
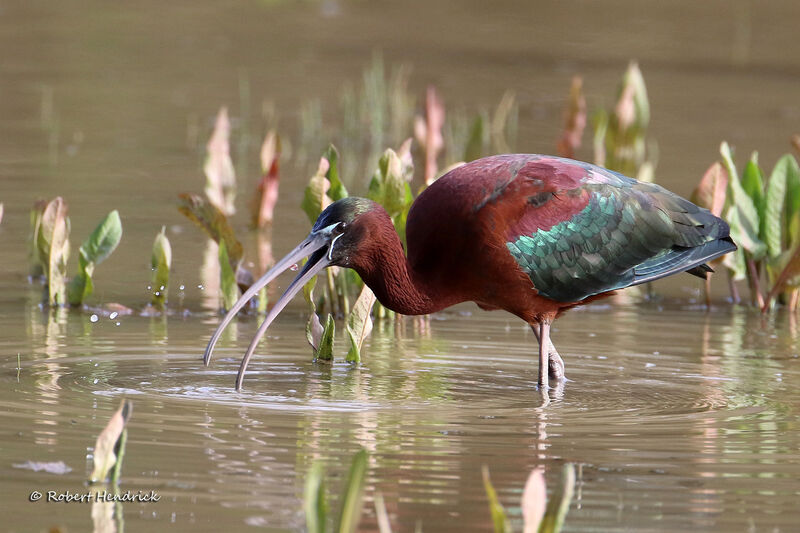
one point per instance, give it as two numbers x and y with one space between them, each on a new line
625 233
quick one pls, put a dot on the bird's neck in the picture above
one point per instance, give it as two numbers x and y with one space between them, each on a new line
385 270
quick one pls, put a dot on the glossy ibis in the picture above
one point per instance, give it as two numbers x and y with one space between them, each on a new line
534 235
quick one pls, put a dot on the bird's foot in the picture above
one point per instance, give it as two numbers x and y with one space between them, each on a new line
556 366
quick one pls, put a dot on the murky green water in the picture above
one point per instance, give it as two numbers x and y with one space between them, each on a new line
677 419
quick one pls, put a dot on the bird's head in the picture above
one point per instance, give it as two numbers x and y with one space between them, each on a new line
334 240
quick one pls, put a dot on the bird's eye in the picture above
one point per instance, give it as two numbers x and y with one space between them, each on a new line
339 227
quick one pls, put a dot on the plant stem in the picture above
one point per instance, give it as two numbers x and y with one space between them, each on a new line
733 289
754 282
331 290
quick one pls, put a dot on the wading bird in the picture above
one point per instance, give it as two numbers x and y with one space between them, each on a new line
533 235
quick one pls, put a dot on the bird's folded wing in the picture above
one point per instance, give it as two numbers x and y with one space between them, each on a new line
627 232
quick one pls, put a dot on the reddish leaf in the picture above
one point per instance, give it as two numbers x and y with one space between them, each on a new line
428 131
220 175
267 192
574 120
534 501
711 191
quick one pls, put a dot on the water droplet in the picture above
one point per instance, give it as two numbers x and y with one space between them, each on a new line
94 318
113 315
161 288
181 287
200 287
117 324
294 267
149 287
158 293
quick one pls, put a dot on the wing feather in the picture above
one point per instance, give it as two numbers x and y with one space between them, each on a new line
626 233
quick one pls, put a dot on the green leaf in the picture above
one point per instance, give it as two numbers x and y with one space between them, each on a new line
735 262
359 323
745 208
213 222
315 197
227 275
753 185
744 234
389 186
263 301
160 262
103 240
337 190
107 446
325 350
499 519
81 286
792 209
775 204
316 507
353 497
558 506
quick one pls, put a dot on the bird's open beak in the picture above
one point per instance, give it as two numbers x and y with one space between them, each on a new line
315 247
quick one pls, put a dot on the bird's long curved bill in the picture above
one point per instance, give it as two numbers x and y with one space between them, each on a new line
317 261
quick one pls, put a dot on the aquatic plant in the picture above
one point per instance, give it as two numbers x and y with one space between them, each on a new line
220 174
574 120
620 134
359 323
50 248
390 187
539 515
764 217
266 196
351 500
160 263
428 131
471 136
109 449
94 250
215 224
376 111
324 188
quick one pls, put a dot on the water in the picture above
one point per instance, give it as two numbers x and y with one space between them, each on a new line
677 419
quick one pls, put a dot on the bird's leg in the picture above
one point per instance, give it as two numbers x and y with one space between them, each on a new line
544 354
556 363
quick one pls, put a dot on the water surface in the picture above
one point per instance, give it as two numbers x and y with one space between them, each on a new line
677 419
